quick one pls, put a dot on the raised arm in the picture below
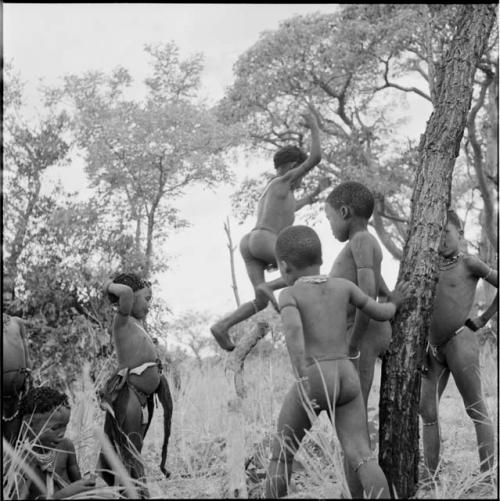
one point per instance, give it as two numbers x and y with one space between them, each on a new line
315 154
121 293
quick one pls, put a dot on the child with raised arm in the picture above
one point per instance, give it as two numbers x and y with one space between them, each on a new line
348 208
16 365
453 346
130 391
45 413
275 211
314 314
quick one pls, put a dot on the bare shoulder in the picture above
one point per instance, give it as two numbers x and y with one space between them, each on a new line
475 265
364 239
365 249
286 296
66 445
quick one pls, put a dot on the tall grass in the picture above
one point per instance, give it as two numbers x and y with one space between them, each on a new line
197 447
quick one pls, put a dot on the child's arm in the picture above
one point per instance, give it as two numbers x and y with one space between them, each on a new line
294 335
481 270
362 253
312 197
378 311
22 330
314 156
122 294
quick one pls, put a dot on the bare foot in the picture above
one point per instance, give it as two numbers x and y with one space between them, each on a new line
221 335
264 290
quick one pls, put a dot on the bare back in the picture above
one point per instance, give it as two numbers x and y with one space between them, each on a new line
15 356
345 265
276 207
453 301
323 313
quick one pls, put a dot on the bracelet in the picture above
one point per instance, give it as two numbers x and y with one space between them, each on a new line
355 357
302 379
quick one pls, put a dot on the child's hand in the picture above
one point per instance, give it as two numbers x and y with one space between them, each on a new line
309 119
112 297
400 294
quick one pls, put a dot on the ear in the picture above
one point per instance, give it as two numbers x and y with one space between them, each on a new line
285 266
345 211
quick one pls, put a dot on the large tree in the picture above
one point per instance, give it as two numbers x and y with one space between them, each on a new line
440 145
143 153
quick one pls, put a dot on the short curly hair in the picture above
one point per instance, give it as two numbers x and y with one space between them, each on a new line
299 245
41 399
132 280
355 195
288 154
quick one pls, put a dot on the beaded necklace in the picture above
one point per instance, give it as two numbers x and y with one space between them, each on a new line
312 279
449 262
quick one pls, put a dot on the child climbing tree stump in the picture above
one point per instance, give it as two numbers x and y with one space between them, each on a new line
237 488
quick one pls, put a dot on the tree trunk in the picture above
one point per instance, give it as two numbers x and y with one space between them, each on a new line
231 248
439 147
236 425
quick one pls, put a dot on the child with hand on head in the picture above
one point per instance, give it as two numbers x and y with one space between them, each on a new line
453 347
314 310
275 210
348 208
128 395
51 455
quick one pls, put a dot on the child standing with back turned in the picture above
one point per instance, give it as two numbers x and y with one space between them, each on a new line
314 315
275 210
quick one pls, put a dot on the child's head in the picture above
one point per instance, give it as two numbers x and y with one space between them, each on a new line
451 236
47 412
347 201
288 157
142 293
7 290
297 248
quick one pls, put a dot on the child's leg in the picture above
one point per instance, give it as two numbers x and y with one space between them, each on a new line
433 383
293 422
462 354
133 428
352 432
255 270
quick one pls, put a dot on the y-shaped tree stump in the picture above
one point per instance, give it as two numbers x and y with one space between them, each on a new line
236 446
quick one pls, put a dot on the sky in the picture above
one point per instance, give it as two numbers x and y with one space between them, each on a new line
47 41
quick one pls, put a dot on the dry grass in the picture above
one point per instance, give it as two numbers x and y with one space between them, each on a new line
197 445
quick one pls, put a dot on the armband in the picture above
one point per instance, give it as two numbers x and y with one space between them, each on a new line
471 325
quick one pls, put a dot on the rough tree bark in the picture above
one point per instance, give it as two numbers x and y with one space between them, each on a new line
438 149
236 447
